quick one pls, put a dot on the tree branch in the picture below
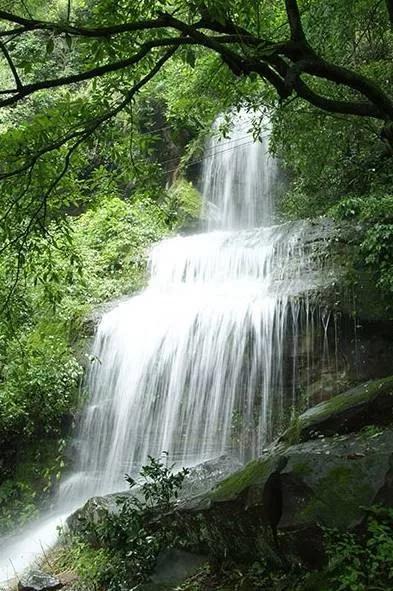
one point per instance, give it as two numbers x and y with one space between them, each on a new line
34 25
12 32
295 21
323 69
11 65
361 109
280 64
22 91
91 126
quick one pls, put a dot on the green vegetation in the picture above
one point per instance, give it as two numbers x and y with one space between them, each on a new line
44 351
104 110
353 563
365 563
121 550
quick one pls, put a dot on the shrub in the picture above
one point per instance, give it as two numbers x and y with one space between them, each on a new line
125 536
363 563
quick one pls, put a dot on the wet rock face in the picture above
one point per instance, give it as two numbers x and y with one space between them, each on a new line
290 495
323 362
37 580
203 477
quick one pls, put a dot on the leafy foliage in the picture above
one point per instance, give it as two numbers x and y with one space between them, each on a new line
365 563
41 343
121 550
374 214
36 474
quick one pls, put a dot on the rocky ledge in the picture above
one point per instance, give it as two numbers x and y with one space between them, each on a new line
368 404
281 503
340 464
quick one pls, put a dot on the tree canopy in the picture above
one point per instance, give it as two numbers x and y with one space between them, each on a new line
271 41
70 69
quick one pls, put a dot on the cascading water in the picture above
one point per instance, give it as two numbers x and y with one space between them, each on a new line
194 365
239 177
195 358
177 362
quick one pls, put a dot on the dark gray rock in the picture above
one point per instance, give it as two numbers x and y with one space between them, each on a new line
204 476
173 568
291 496
38 580
201 478
93 511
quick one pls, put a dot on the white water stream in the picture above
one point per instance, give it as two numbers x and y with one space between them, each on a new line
194 364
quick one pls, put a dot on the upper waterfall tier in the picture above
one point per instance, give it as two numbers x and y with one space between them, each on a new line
273 258
239 176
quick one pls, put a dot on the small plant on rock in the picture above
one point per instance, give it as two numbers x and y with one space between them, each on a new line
129 535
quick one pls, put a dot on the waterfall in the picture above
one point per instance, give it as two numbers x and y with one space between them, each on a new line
196 365
176 363
239 176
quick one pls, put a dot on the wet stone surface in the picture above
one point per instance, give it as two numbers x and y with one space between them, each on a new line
37 580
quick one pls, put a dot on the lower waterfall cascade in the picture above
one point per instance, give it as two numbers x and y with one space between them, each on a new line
197 364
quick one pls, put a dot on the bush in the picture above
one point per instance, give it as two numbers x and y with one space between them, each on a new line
41 342
363 563
375 252
41 386
125 537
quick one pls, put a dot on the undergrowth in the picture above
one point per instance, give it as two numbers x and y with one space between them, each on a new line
120 550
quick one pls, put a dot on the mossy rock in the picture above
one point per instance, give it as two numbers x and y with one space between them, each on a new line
294 492
254 474
199 480
368 404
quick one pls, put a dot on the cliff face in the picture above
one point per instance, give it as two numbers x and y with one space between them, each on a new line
342 334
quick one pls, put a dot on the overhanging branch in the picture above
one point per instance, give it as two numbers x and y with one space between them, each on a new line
82 135
281 64
295 21
93 32
11 65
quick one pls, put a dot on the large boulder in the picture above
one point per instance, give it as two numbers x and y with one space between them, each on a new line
200 479
367 404
278 505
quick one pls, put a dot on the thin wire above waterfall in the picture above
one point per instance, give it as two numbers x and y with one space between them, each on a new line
238 186
208 155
